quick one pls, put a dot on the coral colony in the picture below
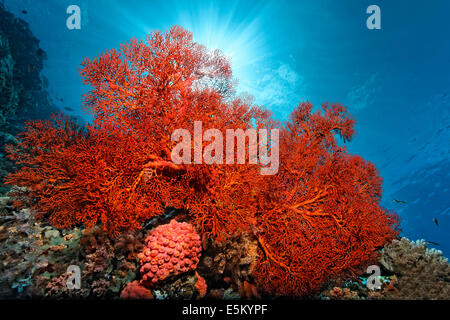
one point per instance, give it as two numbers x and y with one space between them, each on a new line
274 218
172 248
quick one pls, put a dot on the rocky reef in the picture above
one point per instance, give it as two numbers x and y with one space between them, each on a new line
35 258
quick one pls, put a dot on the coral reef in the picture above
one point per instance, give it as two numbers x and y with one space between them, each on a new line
357 289
35 258
134 290
232 259
422 273
86 196
317 218
411 272
20 248
346 293
170 249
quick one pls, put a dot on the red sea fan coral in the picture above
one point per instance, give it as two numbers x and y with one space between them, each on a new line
171 249
322 215
118 170
316 218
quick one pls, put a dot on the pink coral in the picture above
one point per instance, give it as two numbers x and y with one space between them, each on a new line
170 249
134 290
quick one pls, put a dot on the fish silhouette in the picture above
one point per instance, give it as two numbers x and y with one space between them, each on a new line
436 221
398 201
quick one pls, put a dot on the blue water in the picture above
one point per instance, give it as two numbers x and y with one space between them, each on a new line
395 81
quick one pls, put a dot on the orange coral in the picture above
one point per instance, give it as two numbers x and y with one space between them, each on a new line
248 291
134 290
200 285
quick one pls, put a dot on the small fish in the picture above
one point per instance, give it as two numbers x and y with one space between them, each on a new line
398 201
30 68
24 11
432 243
68 109
436 221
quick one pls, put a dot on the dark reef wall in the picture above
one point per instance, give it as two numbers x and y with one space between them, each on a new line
23 90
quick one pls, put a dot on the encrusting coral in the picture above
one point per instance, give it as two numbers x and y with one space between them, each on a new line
134 290
317 217
200 285
346 293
